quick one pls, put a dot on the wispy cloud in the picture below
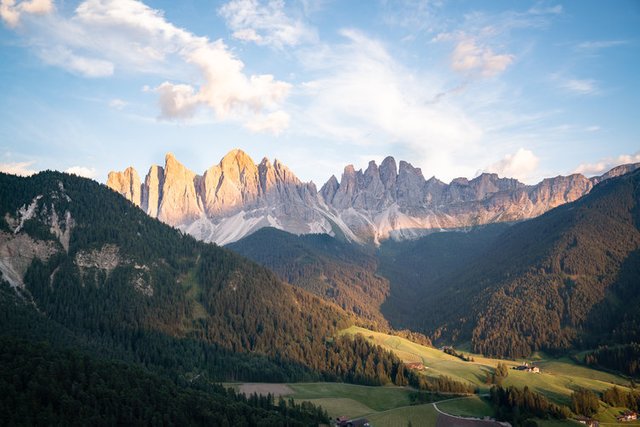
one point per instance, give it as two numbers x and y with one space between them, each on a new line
18 168
521 165
82 171
600 44
549 10
468 56
413 15
606 164
367 97
86 66
103 36
580 86
273 123
118 103
265 23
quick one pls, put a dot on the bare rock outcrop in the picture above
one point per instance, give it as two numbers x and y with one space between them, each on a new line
393 200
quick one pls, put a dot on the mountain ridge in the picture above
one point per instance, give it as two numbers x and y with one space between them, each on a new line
236 197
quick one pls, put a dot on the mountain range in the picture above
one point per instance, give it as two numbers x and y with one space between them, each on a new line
99 280
566 279
236 197
82 267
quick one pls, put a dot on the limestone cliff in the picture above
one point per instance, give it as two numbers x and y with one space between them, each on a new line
237 196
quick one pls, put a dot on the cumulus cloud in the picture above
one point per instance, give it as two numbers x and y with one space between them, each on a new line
606 164
265 23
581 87
82 171
18 168
468 56
11 11
104 36
520 165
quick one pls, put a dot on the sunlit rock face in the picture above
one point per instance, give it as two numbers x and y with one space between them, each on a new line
394 200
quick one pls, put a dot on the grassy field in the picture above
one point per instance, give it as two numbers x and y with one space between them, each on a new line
558 379
391 405
422 415
472 406
376 398
607 416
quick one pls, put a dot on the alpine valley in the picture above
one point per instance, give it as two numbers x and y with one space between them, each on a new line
108 290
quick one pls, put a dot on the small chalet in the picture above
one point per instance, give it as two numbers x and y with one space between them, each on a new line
416 365
589 422
346 422
528 368
627 416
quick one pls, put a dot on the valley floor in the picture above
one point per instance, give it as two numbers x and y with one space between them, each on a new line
392 405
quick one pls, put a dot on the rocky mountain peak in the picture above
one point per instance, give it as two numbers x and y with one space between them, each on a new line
229 200
236 197
328 190
388 172
126 183
237 160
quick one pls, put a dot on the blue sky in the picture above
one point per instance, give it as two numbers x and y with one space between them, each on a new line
523 89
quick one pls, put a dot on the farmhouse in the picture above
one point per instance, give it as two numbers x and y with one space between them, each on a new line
416 365
627 416
588 422
346 422
528 368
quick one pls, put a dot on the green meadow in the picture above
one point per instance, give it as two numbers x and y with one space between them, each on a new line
391 405
557 380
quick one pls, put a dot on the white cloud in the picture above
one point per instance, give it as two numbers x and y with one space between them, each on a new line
89 67
469 57
104 36
364 96
18 168
118 103
265 23
581 87
606 164
11 11
274 123
551 10
176 101
520 165
82 171
600 44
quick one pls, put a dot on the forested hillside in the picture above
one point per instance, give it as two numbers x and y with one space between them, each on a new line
42 386
337 271
567 278
417 269
94 271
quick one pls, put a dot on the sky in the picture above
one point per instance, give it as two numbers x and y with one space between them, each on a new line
522 89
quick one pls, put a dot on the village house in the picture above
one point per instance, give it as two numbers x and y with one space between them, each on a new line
627 416
589 422
528 368
346 422
416 365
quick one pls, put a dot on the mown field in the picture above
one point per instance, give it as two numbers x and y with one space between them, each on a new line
391 405
559 377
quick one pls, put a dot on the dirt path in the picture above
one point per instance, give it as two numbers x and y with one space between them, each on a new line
446 420
276 390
